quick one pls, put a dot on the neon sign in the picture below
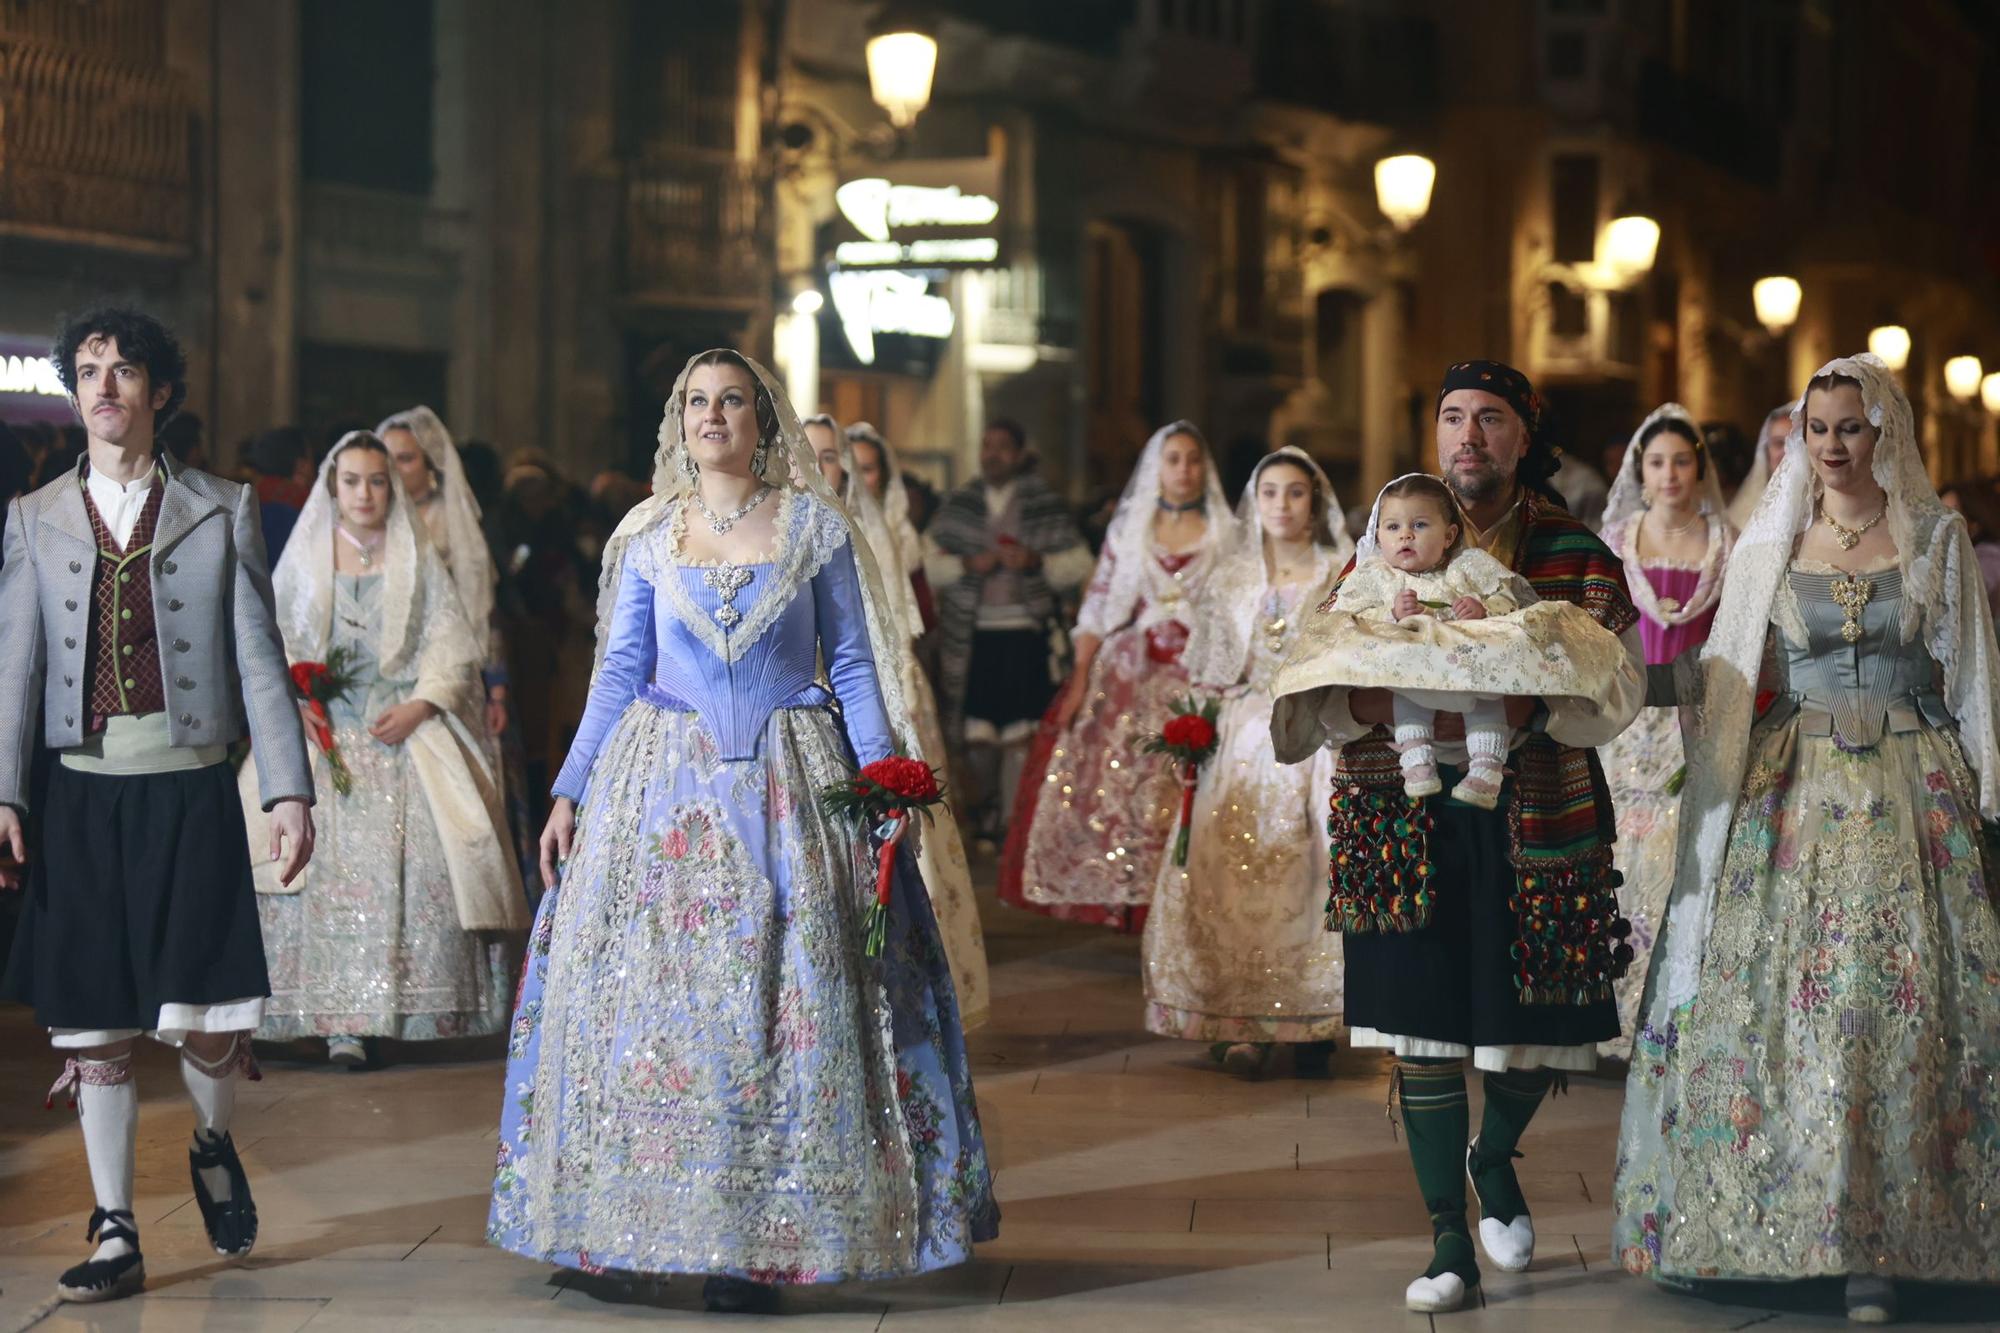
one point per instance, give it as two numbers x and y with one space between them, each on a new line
869 303
32 375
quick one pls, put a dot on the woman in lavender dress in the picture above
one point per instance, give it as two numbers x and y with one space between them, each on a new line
1666 520
707 1074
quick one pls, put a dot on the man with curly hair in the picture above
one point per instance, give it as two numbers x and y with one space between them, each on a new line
140 631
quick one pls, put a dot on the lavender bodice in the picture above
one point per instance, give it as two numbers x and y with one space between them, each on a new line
1666 642
734 643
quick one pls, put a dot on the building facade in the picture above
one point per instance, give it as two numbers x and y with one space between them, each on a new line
529 215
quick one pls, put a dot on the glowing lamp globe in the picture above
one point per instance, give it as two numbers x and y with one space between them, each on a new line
1891 342
1631 243
1961 378
1777 301
1403 188
902 61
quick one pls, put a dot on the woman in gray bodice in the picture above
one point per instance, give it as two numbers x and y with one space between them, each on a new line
1812 1089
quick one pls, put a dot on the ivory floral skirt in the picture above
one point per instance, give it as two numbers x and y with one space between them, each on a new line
1829 1102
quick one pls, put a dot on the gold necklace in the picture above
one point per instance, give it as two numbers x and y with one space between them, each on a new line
1848 537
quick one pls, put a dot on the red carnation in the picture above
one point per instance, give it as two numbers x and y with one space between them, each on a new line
1188 739
881 797
913 780
320 684
1189 731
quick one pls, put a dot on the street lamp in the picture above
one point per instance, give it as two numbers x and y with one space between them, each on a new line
1989 392
1630 243
1777 301
1961 378
1891 342
1403 188
902 61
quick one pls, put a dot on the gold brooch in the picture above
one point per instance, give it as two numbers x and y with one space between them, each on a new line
1851 594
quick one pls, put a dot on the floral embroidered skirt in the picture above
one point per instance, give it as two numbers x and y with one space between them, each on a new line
1094 812
372 945
706 1072
1637 767
1236 944
1829 1101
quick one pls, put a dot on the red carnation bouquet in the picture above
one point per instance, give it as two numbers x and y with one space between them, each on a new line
1189 739
320 684
882 797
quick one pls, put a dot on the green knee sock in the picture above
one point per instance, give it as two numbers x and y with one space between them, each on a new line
1437 1120
1511 1100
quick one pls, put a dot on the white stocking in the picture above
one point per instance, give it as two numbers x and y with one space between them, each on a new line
212 1089
108 1104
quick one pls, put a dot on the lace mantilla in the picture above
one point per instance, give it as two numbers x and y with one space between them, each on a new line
1240 582
1128 571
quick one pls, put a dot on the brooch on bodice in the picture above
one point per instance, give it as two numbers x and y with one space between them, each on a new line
1851 594
727 581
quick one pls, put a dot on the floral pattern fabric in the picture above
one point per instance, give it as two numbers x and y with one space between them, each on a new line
1828 1102
373 945
1524 646
707 1073
1094 811
704 1074
1236 945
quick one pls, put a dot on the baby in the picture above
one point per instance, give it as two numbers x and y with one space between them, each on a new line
1422 567
1441 626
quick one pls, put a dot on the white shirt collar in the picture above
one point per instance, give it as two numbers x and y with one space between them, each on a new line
118 503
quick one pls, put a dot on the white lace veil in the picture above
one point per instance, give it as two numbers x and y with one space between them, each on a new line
1128 541
1628 489
789 460
412 577
1367 547
1219 644
869 515
895 501
468 558
1943 606
1628 501
1744 503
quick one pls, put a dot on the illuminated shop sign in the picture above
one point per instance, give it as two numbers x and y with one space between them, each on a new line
35 375
887 301
931 213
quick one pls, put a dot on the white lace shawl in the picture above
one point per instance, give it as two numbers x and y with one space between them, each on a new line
1627 506
890 546
894 499
467 556
423 635
423 631
1943 605
1218 645
1744 503
789 461
1128 572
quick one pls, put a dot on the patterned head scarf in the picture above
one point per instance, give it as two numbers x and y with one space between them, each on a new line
1509 385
